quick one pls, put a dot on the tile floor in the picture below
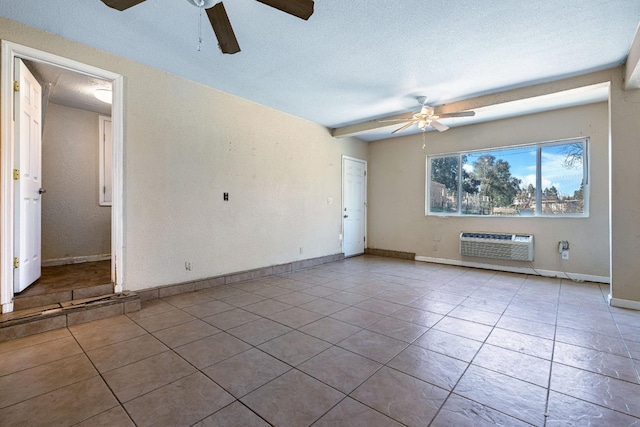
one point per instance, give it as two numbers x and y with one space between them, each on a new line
70 276
368 341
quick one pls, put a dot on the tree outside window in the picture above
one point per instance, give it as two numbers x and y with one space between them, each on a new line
506 181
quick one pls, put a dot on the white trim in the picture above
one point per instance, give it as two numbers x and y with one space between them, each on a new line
512 269
8 52
117 204
623 303
75 260
103 180
6 187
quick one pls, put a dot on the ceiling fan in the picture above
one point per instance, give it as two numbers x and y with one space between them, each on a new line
427 117
220 21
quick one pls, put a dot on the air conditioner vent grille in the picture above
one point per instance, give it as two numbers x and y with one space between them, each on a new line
516 247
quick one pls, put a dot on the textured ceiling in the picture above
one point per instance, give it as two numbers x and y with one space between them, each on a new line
356 60
70 88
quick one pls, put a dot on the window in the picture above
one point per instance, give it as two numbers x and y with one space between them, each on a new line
545 179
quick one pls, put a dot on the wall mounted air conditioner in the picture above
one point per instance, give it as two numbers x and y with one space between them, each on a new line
517 247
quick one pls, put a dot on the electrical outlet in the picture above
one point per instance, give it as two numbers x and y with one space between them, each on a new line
565 255
187 265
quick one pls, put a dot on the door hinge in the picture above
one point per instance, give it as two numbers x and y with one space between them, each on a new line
16 86
364 239
16 262
365 173
16 174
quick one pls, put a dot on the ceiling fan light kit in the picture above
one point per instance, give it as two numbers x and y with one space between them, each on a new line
427 117
205 4
219 19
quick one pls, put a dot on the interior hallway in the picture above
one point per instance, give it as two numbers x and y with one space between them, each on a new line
366 341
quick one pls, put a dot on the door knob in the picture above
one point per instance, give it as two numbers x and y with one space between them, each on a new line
42 191
346 216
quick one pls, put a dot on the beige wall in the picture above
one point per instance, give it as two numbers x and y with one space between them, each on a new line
185 144
397 192
625 200
73 222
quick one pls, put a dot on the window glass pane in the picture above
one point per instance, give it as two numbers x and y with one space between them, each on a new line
444 185
562 173
499 182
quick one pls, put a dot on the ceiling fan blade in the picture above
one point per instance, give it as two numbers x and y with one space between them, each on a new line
121 4
458 114
396 120
438 126
222 27
301 8
403 127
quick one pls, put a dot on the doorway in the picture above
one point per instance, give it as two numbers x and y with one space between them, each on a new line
354 206
11 52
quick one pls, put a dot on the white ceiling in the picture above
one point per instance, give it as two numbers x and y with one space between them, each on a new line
356 60
69 88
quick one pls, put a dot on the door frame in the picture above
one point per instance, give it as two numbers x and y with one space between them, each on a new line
366 205
9 52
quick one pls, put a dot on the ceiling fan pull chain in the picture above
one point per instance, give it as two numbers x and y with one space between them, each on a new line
200 27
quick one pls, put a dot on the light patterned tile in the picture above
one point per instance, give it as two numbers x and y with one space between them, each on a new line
64 406
294 347
45 378
373 346
293 399
210 350
182 402
516 398
330 330
429 366
401 397
136 379
340 368
458 411
232 374
233 415
259 331
185 333
351 413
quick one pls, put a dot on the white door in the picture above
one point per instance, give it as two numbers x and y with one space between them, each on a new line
354 192
27 179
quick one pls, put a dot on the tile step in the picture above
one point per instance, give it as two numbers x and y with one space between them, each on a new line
23 302
35 320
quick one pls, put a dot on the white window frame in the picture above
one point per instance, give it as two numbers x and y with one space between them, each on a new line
538 210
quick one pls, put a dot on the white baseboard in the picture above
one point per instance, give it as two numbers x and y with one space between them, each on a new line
623 303
523 270
7 308
75 260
